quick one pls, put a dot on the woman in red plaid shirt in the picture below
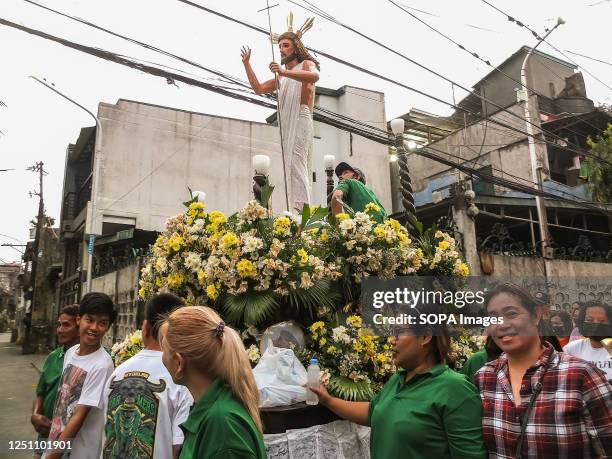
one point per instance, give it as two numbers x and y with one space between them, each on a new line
537 402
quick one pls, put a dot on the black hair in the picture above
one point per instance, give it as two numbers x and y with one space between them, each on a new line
97 303
159 307
592 304
565 318
71 310
526 300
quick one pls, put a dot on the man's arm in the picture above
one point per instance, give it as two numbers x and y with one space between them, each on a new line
72 428
259 88
336 202
597 398
41 423
308 74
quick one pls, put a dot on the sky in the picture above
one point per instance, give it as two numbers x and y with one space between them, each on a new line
37 124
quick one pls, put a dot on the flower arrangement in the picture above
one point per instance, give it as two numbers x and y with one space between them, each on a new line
464 346
130 346
354 364
257 270
246 265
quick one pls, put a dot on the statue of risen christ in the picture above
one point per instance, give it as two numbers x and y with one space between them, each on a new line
295 100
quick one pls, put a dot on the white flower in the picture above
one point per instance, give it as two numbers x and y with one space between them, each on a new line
253 353
193 261
306 282
251 244
339 334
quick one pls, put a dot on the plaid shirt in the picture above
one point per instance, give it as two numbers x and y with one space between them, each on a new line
571 418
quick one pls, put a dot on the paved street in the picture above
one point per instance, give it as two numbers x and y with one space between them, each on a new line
18 378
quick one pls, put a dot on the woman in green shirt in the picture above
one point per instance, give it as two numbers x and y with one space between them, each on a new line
425 410
208 357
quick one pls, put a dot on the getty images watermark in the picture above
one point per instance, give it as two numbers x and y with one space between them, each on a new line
438 305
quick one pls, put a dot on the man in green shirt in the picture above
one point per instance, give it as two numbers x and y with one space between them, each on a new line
67 336
352 191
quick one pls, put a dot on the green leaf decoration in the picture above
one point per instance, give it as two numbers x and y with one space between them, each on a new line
250 308
305 302
347 389
315 218
266 193
305 215
192 200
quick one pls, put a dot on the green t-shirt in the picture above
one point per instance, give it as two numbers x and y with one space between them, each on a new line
219 427
357 196
437 414
474 363
49 380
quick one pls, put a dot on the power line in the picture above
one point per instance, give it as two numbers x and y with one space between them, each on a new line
369 132
537 36
588 57
318 11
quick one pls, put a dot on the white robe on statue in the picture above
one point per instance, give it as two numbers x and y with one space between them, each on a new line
297 130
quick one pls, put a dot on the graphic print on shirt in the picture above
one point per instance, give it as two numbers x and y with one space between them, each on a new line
131 417
68 394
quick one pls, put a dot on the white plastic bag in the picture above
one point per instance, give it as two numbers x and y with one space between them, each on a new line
280 376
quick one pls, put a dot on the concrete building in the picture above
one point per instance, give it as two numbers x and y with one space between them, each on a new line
505 232
10 293
149 155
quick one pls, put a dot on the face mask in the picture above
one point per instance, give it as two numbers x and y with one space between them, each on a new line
559 330
596 330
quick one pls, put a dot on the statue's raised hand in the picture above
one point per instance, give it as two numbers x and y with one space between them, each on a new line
245 52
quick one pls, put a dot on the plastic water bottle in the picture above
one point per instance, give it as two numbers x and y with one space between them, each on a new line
314 373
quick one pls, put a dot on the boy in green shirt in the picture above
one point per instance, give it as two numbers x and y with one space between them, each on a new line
353 192
46 390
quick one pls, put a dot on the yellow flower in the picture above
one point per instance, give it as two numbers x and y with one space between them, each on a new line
371 207
381 358
403 239
175 280
317 326
217 217
331 349
303 256
322 342
443 245
462 270
357 347
281 226
201 276
324 237
342 216
211 292
141 292
246 269
354 321
175 243
379 232
135 340
229 240
393 224
158 282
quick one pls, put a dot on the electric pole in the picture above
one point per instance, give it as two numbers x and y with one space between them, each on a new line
38 167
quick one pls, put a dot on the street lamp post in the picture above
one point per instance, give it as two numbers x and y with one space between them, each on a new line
536 159
405 184
329 172
94 179
261 168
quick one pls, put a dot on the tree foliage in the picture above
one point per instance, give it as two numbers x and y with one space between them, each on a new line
599 174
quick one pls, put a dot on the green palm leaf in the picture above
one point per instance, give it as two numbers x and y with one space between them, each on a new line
250 308
307 301
347 389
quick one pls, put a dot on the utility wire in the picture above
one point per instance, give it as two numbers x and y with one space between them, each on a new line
537 36
372 133
330 18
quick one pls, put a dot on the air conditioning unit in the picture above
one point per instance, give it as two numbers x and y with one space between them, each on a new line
33 233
